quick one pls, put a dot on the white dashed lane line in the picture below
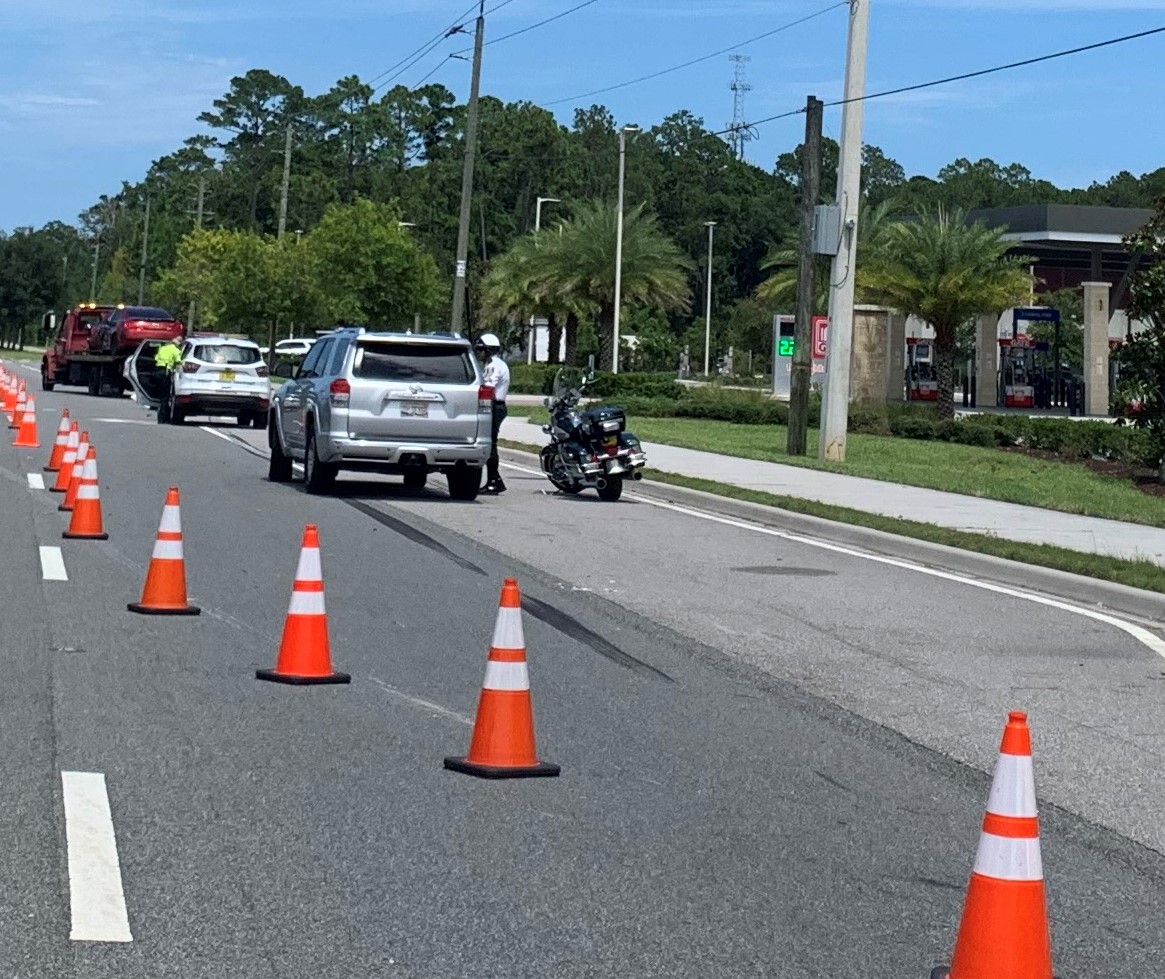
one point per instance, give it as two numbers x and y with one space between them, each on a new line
96 896
52 564
35 481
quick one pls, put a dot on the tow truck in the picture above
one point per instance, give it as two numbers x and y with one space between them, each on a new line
77 358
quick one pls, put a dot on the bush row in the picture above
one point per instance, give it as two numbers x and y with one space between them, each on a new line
539 379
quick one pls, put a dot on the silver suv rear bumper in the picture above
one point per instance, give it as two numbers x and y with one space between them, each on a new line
364 452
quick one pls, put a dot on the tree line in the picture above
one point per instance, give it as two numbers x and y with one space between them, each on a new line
387 164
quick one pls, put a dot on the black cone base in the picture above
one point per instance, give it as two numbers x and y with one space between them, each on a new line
69 536
147 610
466 767
301 681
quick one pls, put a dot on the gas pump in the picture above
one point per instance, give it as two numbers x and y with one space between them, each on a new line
921 378
1017 371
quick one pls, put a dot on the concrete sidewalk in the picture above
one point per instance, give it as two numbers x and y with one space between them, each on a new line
1010 521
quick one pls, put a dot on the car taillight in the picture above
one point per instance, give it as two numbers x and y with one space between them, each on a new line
262 371
341 392
485 399
191 368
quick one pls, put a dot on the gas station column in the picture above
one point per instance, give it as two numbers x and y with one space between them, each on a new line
987 361
1096 317
896 357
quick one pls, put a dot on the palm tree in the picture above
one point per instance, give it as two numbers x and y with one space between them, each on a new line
655 271
946 272
780 289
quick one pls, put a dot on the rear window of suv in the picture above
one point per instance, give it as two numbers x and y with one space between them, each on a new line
414 362
226 353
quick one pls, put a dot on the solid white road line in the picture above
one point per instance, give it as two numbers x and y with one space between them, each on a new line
1143 636
97 901
52 564
35 481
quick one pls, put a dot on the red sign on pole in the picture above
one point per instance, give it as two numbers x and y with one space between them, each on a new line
820 337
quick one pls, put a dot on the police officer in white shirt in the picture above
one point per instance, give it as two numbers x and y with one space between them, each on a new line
497 376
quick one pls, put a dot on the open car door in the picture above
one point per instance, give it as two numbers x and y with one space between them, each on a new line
150 382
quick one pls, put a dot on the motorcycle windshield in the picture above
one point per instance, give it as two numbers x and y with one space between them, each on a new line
568 379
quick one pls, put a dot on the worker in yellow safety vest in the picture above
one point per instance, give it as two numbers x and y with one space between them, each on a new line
168 357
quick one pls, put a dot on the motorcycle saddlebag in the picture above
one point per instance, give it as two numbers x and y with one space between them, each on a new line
606 421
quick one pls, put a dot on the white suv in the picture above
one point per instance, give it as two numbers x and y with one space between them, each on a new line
218 376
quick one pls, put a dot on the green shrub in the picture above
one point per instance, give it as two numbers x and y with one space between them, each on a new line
913 427
869 420
532 378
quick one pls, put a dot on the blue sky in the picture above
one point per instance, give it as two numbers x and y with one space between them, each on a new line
91 91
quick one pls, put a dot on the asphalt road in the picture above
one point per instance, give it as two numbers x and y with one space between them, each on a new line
731 802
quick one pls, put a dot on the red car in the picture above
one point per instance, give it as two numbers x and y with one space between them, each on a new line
127 326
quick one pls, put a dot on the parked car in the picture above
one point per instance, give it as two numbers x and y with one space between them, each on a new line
124 327
394 403
290 348
219 376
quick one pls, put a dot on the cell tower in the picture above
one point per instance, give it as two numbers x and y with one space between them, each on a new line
738 131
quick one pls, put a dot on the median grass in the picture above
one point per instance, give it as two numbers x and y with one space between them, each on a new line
1135 574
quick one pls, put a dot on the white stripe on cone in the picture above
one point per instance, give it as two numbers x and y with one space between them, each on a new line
1007 858
1013 791
171 521
306 603
508 629
506 676
87 491
310 567
168 550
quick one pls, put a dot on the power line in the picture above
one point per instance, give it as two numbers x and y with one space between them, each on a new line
707 57
426 47
541 23
966 75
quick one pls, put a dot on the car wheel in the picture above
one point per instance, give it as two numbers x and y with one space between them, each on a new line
279 466
259 420
611 492
416 481
45 383
465 483
318 477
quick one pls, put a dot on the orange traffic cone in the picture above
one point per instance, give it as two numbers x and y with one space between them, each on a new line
83 450
65 474
86 523
304 654
10 392
165 590
1004 933
26 437
17 412
62 439
502 745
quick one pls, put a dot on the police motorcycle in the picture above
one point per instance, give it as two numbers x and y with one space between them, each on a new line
589 448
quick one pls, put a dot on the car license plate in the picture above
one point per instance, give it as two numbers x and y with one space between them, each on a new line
226 375
414 411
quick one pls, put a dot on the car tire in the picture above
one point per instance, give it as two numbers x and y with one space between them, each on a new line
318 477
259 420
612 491
45 383
279 465
416 481
464 483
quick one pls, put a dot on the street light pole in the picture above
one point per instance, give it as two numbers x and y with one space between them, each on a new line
619 246
711 226
145 253
93 281
537 227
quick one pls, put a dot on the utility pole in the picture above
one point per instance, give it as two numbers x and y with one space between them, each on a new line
286 187
835 409
801 376
93 281
711 226
459 280
619 246
145 254
198 225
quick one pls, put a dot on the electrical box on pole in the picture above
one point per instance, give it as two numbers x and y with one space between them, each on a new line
826 229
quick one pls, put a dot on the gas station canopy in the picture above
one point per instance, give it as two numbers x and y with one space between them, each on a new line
1072 244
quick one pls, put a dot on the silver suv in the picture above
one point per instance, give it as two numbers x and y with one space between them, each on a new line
396 403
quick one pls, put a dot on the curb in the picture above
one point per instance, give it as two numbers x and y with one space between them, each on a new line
1095 593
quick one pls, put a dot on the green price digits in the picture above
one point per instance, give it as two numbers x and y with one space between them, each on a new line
785 346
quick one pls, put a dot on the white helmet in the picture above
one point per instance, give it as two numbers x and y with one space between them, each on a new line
489 341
